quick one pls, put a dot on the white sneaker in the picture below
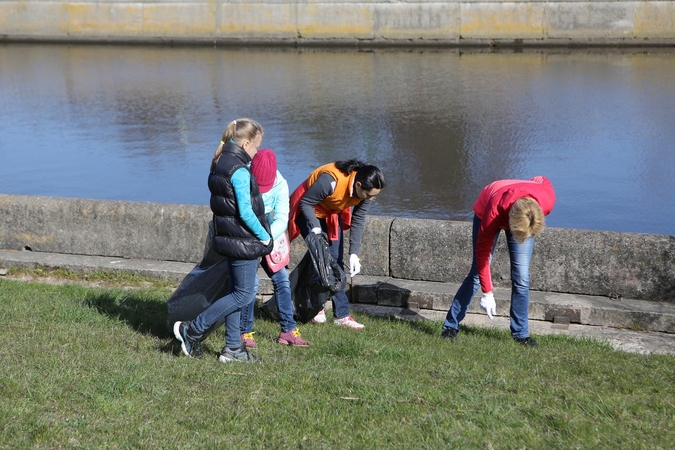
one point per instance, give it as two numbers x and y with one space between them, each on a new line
320 318
349 322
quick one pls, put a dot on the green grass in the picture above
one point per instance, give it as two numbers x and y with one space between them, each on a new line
84 367
106 277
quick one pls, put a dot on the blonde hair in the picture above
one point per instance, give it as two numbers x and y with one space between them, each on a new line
526 219
238 130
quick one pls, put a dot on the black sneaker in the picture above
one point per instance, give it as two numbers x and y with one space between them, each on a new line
528 341
238 355
191 347
449 333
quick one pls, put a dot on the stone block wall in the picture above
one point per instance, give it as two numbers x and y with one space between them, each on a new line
612 264
420 22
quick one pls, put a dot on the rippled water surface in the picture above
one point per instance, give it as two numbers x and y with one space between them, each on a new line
141 123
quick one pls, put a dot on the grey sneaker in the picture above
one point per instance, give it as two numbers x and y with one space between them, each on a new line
191 347
239 355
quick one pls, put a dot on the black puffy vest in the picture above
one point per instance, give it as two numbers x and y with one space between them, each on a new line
232 237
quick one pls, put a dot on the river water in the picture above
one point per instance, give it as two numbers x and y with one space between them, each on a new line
141 123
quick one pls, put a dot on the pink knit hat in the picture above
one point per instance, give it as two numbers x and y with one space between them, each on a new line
264 169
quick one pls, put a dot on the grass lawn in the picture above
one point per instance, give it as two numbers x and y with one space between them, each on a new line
93 367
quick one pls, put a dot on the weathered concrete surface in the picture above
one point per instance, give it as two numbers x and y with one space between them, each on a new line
402 251
163 270
623 265
374 247
546 306
135 230
641 342
345 22
628 265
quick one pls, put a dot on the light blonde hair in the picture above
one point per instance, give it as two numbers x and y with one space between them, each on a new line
526 219
239 131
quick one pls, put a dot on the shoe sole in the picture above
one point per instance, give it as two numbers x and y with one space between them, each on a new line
227 360
351 328
176 332
224 360
285 342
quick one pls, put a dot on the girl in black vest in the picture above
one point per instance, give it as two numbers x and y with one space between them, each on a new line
242 234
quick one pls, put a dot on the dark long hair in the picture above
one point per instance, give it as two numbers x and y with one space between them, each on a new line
369 176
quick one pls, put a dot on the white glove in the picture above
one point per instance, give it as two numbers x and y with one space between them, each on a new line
487 302
354 265
316 230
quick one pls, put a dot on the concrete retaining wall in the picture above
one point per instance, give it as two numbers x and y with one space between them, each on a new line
621 265
626 265
343 21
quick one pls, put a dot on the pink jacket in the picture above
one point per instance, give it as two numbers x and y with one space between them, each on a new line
492 208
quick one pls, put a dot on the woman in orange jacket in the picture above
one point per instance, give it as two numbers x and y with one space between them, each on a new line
336 197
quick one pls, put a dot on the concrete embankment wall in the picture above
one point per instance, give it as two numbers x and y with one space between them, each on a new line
602 263
478 22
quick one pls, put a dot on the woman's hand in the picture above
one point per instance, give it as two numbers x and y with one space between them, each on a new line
487 302
354 265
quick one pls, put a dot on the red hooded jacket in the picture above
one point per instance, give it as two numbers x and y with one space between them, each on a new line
492 208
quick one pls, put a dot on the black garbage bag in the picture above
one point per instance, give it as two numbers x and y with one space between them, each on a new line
327 274
313 281
205 284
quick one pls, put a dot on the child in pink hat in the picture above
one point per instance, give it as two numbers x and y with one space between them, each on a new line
274 190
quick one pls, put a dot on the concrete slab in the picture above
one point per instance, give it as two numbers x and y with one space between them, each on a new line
165 270
620 339
581 309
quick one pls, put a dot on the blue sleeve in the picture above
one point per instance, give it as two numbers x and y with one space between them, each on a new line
241 182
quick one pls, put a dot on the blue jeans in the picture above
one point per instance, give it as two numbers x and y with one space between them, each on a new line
242 275
520 256
282 292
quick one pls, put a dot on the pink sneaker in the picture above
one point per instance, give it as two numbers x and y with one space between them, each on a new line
320 317
349 322
248 341
292 338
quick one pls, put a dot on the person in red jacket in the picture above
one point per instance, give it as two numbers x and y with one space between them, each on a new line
518 207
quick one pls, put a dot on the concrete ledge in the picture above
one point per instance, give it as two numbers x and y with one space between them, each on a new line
545 306
132 230
416 297
163 270
645 343
588 262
